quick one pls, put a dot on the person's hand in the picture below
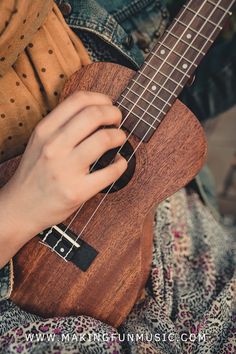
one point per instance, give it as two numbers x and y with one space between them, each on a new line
53 178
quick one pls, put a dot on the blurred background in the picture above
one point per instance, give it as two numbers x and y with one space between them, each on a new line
212 98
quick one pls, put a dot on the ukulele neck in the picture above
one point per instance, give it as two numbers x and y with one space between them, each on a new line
170 65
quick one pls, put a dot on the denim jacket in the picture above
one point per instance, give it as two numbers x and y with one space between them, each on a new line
112 23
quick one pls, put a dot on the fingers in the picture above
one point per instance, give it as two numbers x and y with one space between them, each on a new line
87 122
97 144
101 179
70 107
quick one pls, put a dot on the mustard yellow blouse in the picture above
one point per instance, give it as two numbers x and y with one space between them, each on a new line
38 52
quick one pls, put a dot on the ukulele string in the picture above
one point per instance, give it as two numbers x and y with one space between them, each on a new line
150 57
120 148
119 127
126 117
127 139
150 126
122 123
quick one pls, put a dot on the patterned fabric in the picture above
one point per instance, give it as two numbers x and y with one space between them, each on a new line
188 306
19 21
6 281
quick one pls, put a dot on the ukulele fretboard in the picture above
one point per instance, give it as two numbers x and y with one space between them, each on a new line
170 65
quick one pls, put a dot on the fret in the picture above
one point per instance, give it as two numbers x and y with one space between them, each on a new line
190 29
138 96
156 83
173 52
197 39
160 110
186 52
188 44
154 76
165 75
171 63
143 106
135 125
214 10
172 66
145 100
192 20
139 118
143 109
148 72
206 20
159 82
172 70
155 119
220 7
151 96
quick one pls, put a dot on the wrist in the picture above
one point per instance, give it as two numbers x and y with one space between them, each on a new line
16 230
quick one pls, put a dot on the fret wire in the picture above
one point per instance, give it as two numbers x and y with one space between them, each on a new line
205 43
173 66
147 131
135 93
144 99
114 182
161 87
159 109
176 53
169 53
155 84
193 30
166 76
204 18
201 52
150 114
139 74
220 7
189 45
143 120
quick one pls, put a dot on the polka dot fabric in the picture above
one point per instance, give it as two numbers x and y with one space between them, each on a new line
19 21
40 52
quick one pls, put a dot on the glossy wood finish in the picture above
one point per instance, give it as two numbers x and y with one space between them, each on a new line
45 284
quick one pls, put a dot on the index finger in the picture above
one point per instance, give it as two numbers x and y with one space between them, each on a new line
72 106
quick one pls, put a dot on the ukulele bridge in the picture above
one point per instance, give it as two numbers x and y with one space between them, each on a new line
64 243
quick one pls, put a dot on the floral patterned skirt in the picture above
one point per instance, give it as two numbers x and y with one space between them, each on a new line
188 306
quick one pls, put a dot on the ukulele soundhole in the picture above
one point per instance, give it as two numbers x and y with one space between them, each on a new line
106 159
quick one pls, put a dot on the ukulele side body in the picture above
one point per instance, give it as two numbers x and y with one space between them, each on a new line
121 230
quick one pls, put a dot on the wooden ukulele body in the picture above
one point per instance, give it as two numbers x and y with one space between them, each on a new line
121 230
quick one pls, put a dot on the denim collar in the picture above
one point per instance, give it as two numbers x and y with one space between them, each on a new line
92 17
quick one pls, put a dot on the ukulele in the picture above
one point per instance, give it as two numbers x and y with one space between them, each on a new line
97 262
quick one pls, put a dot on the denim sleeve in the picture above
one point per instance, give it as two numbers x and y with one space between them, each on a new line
6 281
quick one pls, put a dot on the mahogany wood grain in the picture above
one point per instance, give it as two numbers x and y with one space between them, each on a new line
45 284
